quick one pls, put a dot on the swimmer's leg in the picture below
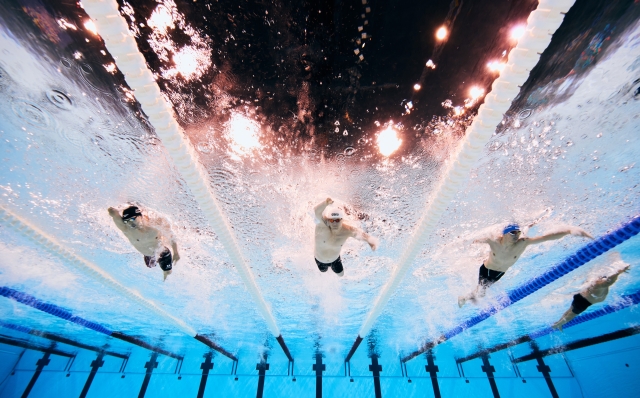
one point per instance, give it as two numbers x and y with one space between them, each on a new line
337 267
322 266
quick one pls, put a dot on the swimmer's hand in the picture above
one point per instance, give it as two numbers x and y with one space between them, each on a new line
373 242
328 201
580 232
166 273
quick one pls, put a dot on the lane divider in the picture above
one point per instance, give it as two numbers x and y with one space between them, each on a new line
59 312
92 271
581 257
121 44
625 301
541 25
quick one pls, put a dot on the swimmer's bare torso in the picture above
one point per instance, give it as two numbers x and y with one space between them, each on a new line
331 236
504 253
329 242
146 235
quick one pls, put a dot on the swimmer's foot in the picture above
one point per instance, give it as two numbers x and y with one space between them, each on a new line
461 301
341 273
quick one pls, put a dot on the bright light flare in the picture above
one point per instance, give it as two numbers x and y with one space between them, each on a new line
495 66
476 92
430 64
441 33
388 141
417 87
191 62
517 32
161 19
244 133
91 26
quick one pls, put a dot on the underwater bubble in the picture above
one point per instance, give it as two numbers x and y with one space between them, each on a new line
599 135
59 99
525 113
65 62
362 140
437 131
340 158
204 147
569 143
349 151
583 136
495 145
31 113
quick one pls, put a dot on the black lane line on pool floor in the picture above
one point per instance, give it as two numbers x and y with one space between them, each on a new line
152 364
433 370
206 366
489 370
95 365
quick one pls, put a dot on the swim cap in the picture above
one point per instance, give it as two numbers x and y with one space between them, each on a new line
511 227
131 212
335 214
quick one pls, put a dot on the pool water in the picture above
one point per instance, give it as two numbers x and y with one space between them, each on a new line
82 316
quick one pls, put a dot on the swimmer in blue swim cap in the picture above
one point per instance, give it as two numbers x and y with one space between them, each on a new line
505 251
331 233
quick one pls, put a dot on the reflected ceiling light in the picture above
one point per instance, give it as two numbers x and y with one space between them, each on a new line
441 33
388 141
517 32
495 66
458 110
417 87
160 19
191 62
430 64
244 133
90 26
476 92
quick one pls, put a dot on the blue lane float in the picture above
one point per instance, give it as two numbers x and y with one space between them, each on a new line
624 302
581 257
52 309
60 312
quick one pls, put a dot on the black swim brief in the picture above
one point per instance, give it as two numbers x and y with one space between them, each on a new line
164 259
336 265
488 277
579 304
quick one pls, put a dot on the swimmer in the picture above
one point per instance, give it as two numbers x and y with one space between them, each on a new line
505 251
149 237
596 292
331 234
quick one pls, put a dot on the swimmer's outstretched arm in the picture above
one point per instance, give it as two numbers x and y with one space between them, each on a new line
364 237
320 208
117 219
166 230
557 235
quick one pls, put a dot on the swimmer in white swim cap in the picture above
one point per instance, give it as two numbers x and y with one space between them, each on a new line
331 234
